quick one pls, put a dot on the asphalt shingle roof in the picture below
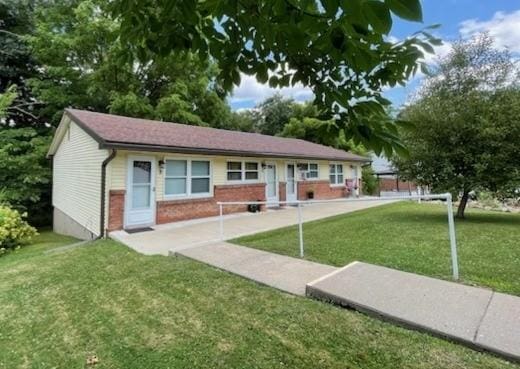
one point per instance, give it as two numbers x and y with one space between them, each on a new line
118 131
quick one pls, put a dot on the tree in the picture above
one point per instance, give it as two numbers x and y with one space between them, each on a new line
17 64
273 114
466 124
25 174
337 48
24 171
78 45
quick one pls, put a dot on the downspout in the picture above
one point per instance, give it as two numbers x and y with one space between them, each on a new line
103 191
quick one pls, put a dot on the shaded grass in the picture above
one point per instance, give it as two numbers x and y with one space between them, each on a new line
44 241
411 237
136 311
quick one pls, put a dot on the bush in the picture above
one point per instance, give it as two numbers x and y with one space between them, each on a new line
370 183
486 199
14 230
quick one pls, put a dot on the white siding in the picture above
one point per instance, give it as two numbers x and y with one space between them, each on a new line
76 187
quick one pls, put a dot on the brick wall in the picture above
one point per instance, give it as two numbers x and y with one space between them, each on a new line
176 210
322 190
116 209
390 184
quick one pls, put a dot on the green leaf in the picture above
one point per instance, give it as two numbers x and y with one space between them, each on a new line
406 9
378 16
337 38
331 6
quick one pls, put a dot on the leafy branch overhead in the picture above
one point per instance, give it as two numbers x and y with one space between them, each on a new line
339 49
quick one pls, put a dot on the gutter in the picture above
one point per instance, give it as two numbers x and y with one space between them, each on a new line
200 151
103 191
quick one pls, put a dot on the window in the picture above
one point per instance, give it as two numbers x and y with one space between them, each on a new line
336 174
242 171
251 171
200 177
234 170
309 170
176 177
187 178
313 171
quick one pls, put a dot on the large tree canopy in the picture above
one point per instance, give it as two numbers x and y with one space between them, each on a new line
337 48
466 121
78 45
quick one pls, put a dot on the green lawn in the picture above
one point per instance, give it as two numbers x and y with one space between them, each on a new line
136 311
411 237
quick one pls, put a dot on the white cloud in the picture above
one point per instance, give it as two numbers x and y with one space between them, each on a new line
440 52
503 27
251 90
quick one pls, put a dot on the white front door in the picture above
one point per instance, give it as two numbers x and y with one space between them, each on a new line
140 199
291 186
271 188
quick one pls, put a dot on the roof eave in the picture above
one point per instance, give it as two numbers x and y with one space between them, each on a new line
189 150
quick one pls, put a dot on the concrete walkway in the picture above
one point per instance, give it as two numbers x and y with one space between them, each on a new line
278 271
477 317
182 235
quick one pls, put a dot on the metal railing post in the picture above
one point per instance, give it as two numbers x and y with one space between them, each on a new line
420 196
221 222
453 242
300 229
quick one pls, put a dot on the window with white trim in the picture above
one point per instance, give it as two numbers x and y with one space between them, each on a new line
309 170
336 174
313 171
186 178
243 171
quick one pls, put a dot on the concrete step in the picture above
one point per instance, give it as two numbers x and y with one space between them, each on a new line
474 316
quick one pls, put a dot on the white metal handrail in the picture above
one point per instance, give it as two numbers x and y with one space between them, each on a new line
299 203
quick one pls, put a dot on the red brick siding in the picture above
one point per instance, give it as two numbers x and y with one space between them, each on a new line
176 210
322 190
116 209
389 184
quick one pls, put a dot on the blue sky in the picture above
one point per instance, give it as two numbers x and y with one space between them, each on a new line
458 18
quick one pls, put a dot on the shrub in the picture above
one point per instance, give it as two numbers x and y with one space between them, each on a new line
14 230
370 183
488 200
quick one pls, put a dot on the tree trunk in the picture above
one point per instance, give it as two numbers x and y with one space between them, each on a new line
462 204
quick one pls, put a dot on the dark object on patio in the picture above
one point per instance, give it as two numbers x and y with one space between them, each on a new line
137 230
253 208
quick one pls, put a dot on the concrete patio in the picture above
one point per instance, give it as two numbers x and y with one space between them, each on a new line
181 235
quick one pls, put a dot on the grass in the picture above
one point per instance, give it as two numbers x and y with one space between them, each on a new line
136 311
411 237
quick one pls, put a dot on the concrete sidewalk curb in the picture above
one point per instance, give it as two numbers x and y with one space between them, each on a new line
332 274
61 249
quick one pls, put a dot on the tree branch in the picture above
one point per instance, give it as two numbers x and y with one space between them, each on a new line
23 112
10 33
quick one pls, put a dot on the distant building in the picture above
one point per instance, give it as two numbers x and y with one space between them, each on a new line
389 183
